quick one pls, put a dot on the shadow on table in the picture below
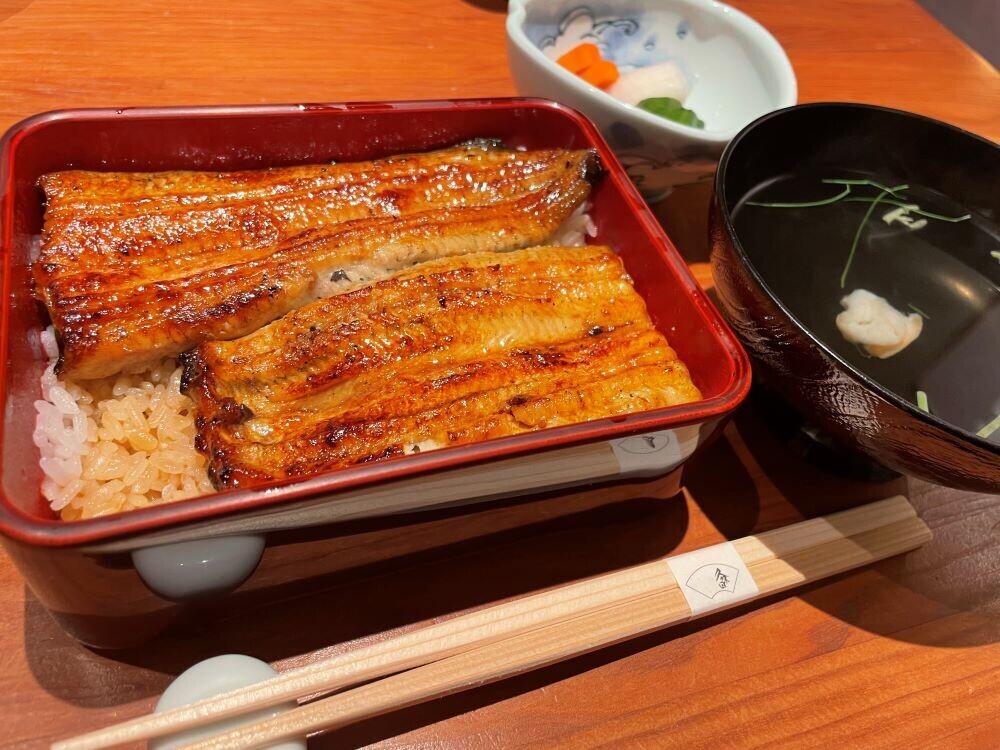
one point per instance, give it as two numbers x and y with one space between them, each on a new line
494 6
369 731
954 575
545 542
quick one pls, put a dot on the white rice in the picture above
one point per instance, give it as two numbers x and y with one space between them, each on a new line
576 229
127 441
117 443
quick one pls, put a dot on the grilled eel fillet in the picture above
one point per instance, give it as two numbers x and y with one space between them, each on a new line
135 267
452 351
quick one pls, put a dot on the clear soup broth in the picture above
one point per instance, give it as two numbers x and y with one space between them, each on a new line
927 260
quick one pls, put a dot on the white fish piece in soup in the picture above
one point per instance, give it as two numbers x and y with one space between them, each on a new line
873 323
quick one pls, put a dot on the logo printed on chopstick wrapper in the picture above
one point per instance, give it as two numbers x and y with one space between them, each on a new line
710 580
713 577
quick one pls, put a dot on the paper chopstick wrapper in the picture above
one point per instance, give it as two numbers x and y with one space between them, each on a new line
713 578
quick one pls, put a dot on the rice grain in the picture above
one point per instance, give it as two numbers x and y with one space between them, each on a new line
118 443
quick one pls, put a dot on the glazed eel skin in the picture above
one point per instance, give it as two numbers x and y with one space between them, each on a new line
451 351
138 266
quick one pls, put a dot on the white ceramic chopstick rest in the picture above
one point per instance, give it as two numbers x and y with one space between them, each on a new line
211 677
198 567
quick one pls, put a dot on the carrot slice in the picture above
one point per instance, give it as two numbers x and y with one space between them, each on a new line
602 73
580 57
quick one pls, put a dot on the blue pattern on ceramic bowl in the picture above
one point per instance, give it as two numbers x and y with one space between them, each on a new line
735 69
630 40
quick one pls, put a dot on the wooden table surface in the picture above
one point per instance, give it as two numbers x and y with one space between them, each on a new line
903 653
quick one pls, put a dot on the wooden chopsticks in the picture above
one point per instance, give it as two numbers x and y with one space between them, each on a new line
523 634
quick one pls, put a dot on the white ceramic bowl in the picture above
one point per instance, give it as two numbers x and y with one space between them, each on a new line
736 70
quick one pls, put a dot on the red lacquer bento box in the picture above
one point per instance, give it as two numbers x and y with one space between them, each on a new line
117 580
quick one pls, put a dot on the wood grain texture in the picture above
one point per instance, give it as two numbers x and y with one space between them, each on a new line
903 653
